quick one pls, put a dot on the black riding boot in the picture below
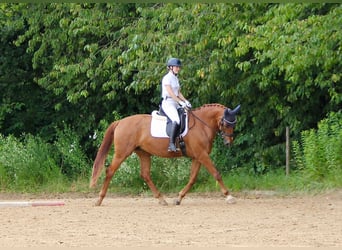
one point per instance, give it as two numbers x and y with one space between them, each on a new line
173 133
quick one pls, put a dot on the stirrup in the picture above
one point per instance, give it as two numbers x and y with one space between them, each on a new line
172 148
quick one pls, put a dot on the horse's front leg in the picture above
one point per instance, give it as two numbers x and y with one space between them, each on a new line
206 161
195 167
145 172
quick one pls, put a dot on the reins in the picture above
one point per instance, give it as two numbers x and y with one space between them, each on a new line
222 123
190 111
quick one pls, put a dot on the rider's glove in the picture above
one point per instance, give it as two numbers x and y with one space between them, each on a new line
188 104
182 104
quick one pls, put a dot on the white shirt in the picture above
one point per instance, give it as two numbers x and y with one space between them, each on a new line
172 80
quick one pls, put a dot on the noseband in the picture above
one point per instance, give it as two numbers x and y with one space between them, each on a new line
226 123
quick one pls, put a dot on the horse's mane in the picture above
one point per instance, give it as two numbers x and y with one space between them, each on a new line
210 105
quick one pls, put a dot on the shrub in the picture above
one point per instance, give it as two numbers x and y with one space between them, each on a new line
319 153
69 154
27 164
169 175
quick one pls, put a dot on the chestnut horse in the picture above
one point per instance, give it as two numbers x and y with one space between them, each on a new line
132 134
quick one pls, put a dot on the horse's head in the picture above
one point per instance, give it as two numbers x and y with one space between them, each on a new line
227 125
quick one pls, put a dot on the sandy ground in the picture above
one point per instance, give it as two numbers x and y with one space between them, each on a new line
256 220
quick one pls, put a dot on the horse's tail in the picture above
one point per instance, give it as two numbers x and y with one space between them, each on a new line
102 153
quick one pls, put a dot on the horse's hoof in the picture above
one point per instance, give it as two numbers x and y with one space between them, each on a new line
98 203
230 199
163 202
176 202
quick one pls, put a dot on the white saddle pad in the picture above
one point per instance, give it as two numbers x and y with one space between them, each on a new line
158 125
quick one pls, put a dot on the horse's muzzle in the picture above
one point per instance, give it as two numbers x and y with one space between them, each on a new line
228 138
228 143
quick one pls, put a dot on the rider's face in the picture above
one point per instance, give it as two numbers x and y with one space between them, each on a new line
175 69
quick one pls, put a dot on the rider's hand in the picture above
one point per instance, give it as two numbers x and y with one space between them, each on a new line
182 104
188 104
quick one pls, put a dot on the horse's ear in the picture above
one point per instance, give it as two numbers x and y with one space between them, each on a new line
237 109
234 111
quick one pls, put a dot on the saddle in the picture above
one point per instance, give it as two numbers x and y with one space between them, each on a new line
182 116
161 126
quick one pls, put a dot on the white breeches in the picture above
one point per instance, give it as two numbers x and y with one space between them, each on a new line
170 108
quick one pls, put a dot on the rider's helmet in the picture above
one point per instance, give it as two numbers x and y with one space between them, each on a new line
174 62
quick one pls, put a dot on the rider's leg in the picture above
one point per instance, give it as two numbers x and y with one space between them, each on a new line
173 134
170 108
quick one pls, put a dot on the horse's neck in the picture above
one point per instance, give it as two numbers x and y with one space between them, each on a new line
210 114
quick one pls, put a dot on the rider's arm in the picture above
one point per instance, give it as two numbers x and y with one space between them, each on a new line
174 97
180 95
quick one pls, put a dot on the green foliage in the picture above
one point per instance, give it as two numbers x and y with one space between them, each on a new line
27 165
169 175
31 164
319 152
76 64
70 156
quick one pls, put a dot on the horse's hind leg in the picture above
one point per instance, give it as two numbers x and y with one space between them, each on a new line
195 167
145 165
115 164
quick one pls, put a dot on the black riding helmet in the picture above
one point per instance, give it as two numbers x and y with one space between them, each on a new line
174 62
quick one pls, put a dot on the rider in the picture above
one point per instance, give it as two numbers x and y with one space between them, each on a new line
173 98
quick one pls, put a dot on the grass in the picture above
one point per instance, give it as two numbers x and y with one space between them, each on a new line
275 181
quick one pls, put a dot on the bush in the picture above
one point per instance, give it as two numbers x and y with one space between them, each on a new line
26 165
30 164
70 156
319 153
169 175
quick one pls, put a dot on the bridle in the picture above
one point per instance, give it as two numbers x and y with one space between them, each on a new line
223 123
226 123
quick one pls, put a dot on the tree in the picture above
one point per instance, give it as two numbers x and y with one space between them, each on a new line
25 106
293 59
